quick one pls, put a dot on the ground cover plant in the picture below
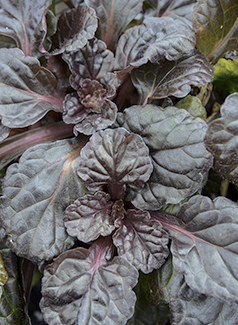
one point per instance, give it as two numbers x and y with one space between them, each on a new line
119 125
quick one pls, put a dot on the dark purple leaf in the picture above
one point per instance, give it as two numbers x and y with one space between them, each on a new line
222 139
85 122
171 78
155 39
4 132
180 159
216 22
188 307
205 245
27 90
93 61
24 22
36 192
74 29
115 157
82 287
141 241
89 217
114 16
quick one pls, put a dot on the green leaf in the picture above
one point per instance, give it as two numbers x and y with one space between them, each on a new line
193 105
3 275
216 24
226 75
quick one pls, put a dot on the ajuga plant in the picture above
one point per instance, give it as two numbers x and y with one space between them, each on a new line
119 140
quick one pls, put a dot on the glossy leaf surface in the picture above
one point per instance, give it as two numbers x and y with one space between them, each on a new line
154 39
74 29
222 140
171 78
188 307
204 246
35 194
177 150
115 158
216 22
141 241
24 22
89 217
4 132
27 90
226 75
114 16
83 287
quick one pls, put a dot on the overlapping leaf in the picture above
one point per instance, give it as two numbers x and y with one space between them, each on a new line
27 90
171 78
180 159
155 39
188 307
114 16
4 132
74 29
12 303
141 241
89 217
82 287
226 75
115 157
205 246
222 140
24 22
36 191
215 23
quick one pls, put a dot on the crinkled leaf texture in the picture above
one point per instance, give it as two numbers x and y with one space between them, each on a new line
91 108
115 157
27 90
216 22
188 307
114 16
180 159
142 241
205 245
171 78
24 22
82 287
12 302
74 29
36 192
156 38
222 139
89 217
226 75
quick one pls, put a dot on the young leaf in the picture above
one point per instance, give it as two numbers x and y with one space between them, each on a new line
89 217
12 303
204 245
171 78
177 150
221 139
74 29
188 307
36 191
193 105
23 21
99 115
141 241
226 75
93 61
82 287
155 39
115 157
216 22
27 90
114 16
